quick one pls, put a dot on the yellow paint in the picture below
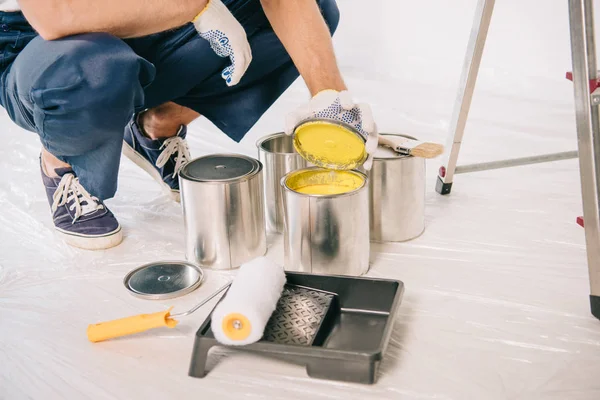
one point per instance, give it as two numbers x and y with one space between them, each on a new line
323 189
329 145
129 326
236 326
324 182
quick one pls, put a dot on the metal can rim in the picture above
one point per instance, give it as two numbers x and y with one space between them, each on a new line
333 122
326 196
342 124
264 139
167 296
257 168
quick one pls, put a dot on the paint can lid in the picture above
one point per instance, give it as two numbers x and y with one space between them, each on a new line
330 144
163 280
220 168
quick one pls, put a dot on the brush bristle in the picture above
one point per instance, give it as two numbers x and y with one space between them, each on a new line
427 150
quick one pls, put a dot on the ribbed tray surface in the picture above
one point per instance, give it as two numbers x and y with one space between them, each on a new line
298 315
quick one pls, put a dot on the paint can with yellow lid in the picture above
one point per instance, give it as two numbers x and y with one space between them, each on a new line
326 216
330 144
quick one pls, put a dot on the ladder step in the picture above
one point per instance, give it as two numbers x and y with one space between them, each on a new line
594 83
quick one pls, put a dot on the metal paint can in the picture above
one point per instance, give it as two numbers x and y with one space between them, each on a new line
396 195
326 234
277 154
223 210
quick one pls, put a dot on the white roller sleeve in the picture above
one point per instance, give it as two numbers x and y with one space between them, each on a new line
254 294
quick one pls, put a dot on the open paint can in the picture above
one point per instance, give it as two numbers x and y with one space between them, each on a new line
326 217
396 195
223 210
277 154
330 144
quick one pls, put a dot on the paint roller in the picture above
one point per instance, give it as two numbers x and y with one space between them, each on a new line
241 317
238 319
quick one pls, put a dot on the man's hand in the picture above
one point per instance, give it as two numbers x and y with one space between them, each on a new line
226 37
339 106
306 37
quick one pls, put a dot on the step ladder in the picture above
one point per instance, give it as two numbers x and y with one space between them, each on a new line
587 100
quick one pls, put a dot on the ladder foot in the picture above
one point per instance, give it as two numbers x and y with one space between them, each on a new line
595 305
441 187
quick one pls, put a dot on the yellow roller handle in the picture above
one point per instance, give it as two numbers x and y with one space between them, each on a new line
129 326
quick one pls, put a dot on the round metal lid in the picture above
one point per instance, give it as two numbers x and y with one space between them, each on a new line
163 280
330 144
219 168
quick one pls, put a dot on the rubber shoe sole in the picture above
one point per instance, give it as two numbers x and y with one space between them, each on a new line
87 242
147 166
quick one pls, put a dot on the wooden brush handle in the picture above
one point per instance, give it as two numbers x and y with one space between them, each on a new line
384 141
415 148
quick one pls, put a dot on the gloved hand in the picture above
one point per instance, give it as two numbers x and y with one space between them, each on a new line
334 105
227 38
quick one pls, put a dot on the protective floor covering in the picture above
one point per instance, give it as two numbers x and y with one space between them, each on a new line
496 302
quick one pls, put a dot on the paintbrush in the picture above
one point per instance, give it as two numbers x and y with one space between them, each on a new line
410 147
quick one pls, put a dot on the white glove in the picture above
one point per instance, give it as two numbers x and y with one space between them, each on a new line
334 105
227 38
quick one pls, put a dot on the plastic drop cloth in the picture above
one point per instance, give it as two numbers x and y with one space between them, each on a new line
496 302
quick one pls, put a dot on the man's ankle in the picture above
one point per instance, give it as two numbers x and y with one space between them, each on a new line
165 120
154 127
50 163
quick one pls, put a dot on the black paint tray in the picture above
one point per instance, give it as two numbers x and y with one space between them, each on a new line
339 327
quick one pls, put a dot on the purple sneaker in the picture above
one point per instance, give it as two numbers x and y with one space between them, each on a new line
162 159
81 219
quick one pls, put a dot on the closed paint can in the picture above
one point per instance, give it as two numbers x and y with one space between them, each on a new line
277 154
223 210
396 195
326 222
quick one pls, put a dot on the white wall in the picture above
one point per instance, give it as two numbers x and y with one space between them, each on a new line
427 39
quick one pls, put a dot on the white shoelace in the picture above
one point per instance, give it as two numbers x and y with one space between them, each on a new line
175 145
69 189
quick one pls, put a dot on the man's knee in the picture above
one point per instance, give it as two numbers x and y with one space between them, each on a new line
90 70
86 90
331 13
